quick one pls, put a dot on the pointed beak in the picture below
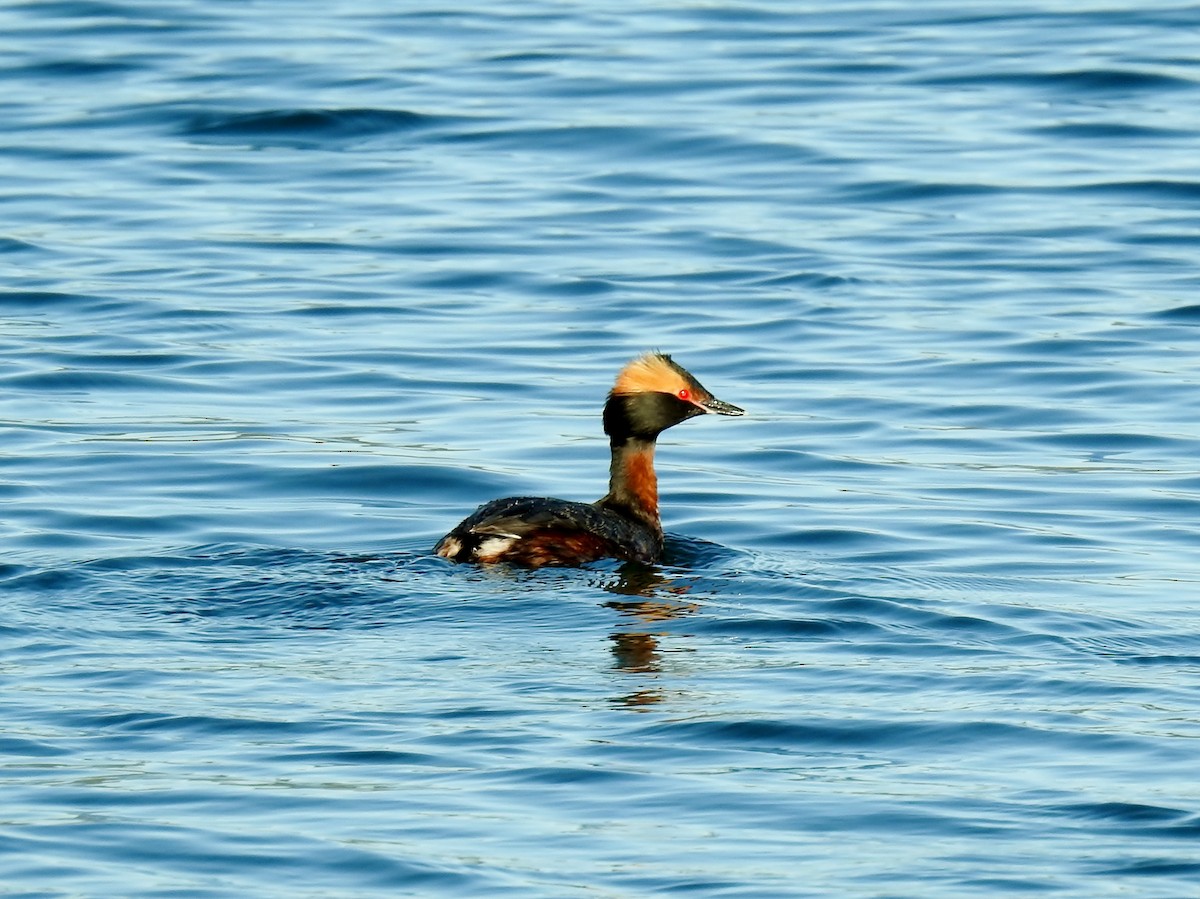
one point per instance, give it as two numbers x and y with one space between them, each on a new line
720 407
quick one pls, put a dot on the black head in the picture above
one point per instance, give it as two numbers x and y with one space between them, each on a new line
651 394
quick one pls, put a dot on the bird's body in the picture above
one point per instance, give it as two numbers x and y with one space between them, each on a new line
651 393
538 530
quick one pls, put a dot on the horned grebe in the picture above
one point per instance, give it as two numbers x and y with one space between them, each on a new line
651 394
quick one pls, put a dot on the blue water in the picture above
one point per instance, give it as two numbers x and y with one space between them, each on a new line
289 288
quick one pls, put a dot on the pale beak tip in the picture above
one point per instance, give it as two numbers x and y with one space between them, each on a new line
721 407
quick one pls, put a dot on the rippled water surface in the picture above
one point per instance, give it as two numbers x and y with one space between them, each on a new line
290 288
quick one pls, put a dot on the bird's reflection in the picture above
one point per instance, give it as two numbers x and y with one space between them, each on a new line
654 598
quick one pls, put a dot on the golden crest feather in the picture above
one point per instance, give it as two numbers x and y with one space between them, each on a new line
651 373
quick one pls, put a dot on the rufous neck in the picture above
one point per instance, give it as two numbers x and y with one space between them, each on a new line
632 481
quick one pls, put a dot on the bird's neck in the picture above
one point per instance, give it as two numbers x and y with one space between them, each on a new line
632 483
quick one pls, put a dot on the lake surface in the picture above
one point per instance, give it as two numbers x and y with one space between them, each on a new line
288 289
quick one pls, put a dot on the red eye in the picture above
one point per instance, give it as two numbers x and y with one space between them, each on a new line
684 394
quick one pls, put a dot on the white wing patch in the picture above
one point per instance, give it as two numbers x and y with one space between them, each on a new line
495 546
